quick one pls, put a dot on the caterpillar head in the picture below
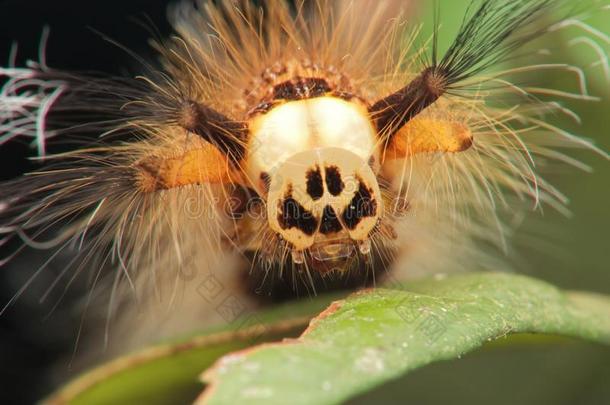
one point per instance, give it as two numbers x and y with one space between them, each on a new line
326 200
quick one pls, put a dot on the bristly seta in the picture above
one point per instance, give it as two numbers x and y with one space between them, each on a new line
304 146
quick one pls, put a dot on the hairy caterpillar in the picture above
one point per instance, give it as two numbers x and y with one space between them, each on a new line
283 150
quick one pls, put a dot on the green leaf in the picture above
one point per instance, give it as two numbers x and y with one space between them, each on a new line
168 373
352 347
376 336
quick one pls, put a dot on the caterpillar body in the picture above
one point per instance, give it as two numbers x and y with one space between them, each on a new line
284 149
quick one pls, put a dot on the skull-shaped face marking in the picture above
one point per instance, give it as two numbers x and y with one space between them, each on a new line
323 194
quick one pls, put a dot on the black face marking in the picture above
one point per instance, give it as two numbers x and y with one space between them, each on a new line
315 188
294 215
301 88
333 180
362 205
330 223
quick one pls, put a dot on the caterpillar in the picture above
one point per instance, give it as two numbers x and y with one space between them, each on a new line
278 150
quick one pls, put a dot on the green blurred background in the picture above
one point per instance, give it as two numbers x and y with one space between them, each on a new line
571 252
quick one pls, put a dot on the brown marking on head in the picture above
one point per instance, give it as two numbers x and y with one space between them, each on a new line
299 88
334 183
291 214
293 80
330 222
362 205
315 186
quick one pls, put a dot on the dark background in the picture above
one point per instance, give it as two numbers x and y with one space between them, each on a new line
73 43
30 340
570 252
